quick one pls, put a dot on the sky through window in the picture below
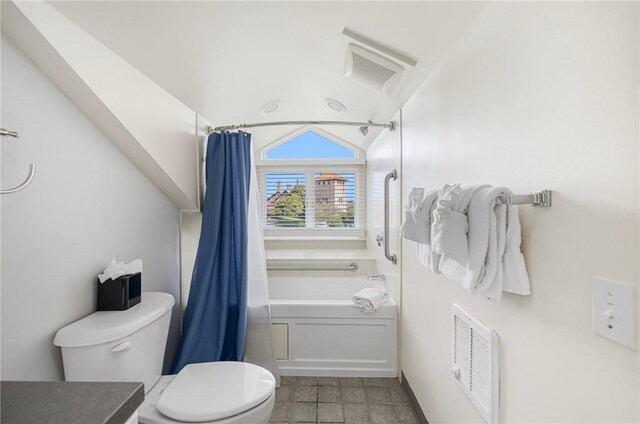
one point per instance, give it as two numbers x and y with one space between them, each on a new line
310 145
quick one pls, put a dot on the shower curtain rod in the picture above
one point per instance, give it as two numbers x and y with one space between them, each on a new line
364 126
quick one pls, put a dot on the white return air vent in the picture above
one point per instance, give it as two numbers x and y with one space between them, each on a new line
476 364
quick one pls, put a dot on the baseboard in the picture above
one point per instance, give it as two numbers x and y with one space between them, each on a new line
335 372
422 419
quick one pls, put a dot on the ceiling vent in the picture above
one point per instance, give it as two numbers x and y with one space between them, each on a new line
373 70
374 65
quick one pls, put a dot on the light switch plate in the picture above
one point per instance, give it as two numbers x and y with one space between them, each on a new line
614 310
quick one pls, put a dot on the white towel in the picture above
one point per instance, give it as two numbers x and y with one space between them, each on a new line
426 256
516 279
450 228
472 240
417 221
494 241
370 299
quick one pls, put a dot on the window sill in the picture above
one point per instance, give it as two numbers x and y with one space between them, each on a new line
315 242
313 238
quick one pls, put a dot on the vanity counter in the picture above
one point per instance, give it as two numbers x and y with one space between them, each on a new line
52 402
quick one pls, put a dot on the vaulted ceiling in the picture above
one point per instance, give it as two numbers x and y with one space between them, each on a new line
225 60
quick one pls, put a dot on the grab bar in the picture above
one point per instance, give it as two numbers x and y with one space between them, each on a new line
353 266
385 234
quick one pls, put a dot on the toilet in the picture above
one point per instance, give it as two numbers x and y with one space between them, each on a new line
129 346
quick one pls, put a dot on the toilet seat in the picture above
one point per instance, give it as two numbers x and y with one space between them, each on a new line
149 414
214 391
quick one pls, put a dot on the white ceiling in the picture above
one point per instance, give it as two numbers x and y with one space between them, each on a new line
227 59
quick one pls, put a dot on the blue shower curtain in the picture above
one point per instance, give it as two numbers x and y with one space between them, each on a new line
215 321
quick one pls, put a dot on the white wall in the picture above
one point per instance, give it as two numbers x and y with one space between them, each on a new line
150 125
534 96
88 202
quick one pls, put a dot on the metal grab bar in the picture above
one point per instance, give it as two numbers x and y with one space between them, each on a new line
392 257
353 266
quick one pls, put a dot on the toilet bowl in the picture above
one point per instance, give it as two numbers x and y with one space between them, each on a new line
129 346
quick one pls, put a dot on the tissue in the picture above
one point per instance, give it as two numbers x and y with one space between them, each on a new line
117 269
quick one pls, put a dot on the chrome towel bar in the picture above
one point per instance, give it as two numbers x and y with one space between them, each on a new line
537 199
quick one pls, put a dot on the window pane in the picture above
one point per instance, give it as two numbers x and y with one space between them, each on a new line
310 145
335 197
285 200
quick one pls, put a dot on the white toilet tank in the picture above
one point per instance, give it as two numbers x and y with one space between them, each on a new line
118 345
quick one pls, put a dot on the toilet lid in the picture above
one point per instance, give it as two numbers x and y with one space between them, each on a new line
215 390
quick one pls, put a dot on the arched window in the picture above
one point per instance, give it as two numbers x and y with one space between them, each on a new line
312 183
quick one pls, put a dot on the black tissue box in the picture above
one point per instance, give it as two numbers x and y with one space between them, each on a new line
120 294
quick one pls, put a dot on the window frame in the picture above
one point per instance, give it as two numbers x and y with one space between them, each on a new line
309 167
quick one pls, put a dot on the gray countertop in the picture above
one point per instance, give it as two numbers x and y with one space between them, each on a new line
68 402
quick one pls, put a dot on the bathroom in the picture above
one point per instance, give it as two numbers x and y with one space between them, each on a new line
114 103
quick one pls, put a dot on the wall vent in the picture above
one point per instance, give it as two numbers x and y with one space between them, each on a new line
476 364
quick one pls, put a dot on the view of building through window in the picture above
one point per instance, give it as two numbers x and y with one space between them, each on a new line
286 202
334 194
333 197
307 195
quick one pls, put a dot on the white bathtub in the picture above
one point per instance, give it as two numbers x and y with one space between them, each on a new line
318 331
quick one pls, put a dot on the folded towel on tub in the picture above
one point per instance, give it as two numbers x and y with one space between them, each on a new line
370 299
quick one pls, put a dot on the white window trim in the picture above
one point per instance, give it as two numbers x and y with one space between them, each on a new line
285 163
309 168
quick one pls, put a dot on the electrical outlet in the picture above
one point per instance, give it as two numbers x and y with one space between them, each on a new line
614 310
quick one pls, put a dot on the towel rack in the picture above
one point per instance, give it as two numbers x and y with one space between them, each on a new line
32 167
353 266
537 199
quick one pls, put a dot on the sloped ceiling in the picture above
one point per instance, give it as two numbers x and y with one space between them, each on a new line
225 60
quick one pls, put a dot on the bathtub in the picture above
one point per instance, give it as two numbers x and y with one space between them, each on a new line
318 332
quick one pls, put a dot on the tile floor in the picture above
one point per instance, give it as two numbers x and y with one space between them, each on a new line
341 400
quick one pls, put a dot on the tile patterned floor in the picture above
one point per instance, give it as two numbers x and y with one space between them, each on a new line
341 400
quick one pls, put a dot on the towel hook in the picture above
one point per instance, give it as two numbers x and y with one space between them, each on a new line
25 183
32 167
13 134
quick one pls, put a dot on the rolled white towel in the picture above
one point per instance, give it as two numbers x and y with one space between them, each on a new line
370 299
